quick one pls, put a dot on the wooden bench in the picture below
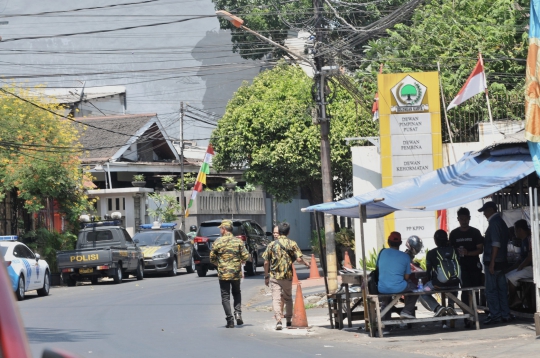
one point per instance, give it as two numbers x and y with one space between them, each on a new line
375 322
526 292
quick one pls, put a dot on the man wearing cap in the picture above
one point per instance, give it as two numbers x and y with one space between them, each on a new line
228 254
394 271
495 262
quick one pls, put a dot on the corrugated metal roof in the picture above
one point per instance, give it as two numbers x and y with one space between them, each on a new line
509 139
72 95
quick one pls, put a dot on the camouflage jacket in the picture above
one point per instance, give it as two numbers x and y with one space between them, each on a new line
281 260
228 253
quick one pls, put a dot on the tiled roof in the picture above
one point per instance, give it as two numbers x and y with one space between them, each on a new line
110 134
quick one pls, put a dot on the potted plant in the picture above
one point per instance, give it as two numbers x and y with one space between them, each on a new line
189 181
230 183
139 180
167 181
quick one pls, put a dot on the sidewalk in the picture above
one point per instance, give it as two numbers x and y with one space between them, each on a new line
432 339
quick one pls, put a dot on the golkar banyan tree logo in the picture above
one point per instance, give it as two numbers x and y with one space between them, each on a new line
409 94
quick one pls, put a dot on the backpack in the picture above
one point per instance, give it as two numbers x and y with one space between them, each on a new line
373 278
447 269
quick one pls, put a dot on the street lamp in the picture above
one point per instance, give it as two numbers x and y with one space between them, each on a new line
326 173
239 23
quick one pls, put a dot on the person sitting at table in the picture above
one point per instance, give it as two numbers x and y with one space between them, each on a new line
522 268
443 272
394 271
413 246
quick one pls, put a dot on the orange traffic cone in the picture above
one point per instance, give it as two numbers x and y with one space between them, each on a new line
294 276
347 261
313 269
299 318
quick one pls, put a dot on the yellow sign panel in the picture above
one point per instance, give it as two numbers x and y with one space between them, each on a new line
410 139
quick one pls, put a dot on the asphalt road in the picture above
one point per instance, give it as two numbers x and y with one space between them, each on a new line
177 316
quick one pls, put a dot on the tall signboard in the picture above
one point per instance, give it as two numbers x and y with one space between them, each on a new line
411 142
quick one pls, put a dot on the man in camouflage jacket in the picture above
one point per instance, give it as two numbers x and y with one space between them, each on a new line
228 254
278 258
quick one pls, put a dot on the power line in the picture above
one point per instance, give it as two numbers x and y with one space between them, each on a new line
104 31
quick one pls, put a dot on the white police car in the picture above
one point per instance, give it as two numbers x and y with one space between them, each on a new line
25 269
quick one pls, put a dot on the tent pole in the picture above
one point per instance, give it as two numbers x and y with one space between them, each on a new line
445 114
533 203
323 256
362 219
323 264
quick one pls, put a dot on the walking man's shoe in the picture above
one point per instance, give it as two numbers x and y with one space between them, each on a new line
230 322
289 323
239 320
279 326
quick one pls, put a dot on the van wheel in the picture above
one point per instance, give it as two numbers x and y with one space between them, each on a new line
202 271
20 289
69 281
118 275
140 271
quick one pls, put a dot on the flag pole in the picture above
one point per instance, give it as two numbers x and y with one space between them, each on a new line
487 98
445 113
375 108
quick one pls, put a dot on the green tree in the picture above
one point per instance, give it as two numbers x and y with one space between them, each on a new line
273 19
453 32
267 129
39 156
166 207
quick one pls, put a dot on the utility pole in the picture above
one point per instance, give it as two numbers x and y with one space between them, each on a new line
320 85
326 167
182 199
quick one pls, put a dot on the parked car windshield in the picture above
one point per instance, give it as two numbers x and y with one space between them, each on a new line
154 238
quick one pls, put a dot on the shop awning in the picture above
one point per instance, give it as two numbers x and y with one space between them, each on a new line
475 176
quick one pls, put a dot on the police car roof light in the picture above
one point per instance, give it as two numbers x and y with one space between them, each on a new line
162 226
168 225
103 223
9 238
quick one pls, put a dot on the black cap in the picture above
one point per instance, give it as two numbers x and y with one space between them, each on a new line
488 204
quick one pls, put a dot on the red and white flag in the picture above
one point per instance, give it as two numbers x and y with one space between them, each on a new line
375 108
476 83
442 220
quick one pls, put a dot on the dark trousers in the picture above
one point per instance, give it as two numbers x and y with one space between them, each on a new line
226 286
497 293
470 278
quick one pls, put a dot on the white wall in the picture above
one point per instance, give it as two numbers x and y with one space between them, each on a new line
366 178
127 194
